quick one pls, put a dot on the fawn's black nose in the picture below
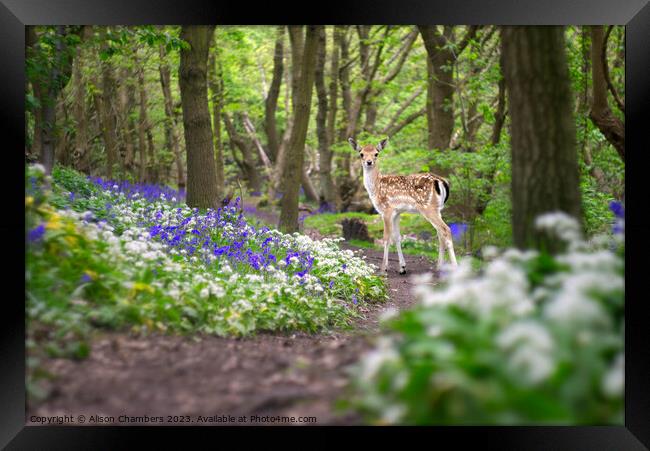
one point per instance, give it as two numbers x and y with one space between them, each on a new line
369 163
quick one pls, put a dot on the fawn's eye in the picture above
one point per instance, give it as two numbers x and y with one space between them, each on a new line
360 155
376 154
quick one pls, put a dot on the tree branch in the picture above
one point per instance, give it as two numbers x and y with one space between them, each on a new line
405 50
469 35
608 80
403 108
409 119
252 134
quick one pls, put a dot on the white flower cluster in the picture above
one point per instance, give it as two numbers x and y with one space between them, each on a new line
529 316
561 225
242 291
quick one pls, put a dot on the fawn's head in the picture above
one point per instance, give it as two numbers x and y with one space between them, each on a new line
369 152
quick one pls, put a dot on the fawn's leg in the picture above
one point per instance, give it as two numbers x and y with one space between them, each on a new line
449 243
386 215
444 236
397 239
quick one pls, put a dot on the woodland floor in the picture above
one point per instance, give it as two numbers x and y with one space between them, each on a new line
269 374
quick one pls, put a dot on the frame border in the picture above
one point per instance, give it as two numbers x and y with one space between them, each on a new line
635 14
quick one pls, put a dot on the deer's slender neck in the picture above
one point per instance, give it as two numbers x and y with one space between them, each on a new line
370 178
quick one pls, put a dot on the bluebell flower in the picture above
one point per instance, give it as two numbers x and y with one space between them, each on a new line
618 228
36 233
458 229
617 208
155 230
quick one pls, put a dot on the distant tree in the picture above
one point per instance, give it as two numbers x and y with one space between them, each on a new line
104 102
545 175
325 118
171 129
601 114
81 154
202 189
442 52
271 103
215 82
49 69
247 163
126 103
296 151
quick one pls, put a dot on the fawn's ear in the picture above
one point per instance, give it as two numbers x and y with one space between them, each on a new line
354 144
382 144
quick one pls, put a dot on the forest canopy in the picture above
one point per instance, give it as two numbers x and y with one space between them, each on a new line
108 101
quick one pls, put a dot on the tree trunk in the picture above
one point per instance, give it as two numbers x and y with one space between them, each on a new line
583 111
53 86
107 112
601 115
327 188
144 174
170 120
429 105
271 103
247 162
47 89
126 102
296 150
142 154
81 153
202 189
151 174
62 152
346 185
31 41
441 86
500 115
252 134
37 139
297 40
545 174
152 166
308 187
215 80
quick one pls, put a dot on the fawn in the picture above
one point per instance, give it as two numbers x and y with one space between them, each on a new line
394 194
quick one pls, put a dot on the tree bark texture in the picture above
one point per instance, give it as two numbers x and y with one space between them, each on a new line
271 103
201 170
296 150
170 120
545 175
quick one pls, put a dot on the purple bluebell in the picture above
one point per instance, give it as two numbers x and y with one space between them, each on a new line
617 208
458 229
36 233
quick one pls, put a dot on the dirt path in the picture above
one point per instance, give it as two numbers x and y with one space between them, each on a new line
292 375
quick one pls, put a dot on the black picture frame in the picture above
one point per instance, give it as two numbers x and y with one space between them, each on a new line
635 14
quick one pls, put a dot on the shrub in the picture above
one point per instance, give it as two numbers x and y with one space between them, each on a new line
533 338
117 255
